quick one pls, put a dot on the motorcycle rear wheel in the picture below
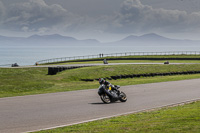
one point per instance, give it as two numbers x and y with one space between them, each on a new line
105 98
123 97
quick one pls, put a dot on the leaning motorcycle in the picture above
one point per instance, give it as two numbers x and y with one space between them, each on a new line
106 95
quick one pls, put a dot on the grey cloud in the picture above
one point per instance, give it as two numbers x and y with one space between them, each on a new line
35 15
2 11
39 17
135 17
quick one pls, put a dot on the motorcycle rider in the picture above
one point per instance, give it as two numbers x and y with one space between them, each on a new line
107 85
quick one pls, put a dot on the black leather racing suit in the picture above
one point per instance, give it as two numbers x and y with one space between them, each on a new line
107 85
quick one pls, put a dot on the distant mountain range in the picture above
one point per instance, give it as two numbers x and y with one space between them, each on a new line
55 39
45 40
153 39
146 37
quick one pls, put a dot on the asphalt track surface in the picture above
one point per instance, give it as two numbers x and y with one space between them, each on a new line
46 111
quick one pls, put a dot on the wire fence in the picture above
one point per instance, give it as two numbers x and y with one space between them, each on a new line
63 59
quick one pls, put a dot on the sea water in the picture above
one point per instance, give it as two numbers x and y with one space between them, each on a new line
29 55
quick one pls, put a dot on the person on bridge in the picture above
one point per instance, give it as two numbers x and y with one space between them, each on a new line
108 87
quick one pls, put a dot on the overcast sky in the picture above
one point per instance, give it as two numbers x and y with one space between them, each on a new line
104 20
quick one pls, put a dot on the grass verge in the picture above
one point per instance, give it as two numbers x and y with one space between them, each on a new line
28 81
129 61
184 119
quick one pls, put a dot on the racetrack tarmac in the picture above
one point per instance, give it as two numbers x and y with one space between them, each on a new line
36 112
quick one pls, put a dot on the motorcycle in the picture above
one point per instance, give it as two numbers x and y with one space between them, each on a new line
106 95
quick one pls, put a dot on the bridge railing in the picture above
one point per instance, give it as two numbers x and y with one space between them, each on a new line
62 59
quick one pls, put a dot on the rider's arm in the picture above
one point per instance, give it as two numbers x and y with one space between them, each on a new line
108 83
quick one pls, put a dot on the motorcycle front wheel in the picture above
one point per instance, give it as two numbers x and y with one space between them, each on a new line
123 97
105 98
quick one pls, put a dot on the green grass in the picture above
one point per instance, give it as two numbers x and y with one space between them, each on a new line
130 61
180 119
27 81
158 56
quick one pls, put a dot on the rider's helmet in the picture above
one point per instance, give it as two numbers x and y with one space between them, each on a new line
101 81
